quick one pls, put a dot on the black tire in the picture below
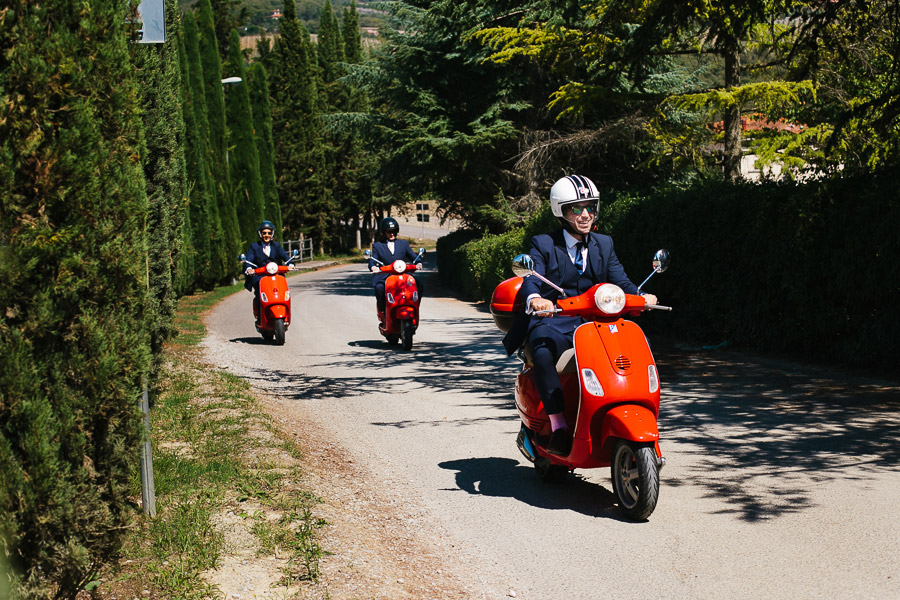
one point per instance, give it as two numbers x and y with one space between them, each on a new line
548 472
406 333
268 335
279 332
635 479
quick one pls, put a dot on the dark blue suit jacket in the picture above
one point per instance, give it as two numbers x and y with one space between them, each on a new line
256 255
402 251
551 259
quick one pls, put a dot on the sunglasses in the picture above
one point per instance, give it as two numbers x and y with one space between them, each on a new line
266 233
577 210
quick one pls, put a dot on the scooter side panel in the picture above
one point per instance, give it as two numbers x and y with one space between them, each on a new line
528 403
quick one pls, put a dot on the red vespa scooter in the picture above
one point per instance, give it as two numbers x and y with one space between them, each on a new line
610 386
273 315
399 321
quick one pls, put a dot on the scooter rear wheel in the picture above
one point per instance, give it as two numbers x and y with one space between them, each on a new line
279 332
635 479
406 334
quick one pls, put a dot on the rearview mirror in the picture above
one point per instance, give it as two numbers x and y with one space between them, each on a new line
421 251
523 265
661 260
367 253
242 257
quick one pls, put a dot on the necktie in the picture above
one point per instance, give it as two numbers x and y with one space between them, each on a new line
579 258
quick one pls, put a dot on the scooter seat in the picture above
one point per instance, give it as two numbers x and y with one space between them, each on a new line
566 362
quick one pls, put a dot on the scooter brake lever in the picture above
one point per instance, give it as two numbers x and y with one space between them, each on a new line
657 307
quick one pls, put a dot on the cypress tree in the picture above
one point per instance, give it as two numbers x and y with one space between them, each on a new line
262 127
204 205
215 106
297 133
185 271
352 36
244 164
330 45
164 170
74 347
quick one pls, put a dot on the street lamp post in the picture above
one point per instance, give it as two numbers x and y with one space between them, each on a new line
230 81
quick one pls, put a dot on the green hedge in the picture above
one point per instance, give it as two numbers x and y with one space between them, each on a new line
790 268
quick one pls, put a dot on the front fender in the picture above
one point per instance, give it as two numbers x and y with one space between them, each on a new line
277 311
405 312
630 422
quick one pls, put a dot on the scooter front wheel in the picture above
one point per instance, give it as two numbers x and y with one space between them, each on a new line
406 334
279 331
635 479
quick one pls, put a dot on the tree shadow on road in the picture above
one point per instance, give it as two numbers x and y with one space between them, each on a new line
469 360
766 433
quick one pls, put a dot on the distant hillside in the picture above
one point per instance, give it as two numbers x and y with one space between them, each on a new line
259 13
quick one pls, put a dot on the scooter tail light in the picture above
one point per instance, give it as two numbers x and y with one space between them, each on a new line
610 299
591 383
654 379
399 266
263 297
271 268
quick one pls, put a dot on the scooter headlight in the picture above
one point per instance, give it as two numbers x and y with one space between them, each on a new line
610 299
399 266
271 268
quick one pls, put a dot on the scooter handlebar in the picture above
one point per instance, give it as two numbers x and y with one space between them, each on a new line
657 307
390 268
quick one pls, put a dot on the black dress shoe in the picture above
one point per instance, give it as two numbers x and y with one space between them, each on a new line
560 442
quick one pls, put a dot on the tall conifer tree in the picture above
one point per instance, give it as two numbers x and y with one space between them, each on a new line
215 106
164 169
74 347
244 165
204 204
296 129
262 128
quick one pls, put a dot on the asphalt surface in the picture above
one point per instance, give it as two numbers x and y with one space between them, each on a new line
782 480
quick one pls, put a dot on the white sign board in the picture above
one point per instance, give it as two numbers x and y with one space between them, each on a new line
153 21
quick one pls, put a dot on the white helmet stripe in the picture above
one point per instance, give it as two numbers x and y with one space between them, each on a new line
582 186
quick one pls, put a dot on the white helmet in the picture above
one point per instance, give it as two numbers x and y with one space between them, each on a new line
574 188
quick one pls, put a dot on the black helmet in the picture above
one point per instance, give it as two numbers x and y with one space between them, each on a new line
389 224
265 225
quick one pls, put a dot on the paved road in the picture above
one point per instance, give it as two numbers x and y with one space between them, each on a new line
782 480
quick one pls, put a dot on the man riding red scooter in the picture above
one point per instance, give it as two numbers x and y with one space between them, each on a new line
397 294
571 272
264 277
